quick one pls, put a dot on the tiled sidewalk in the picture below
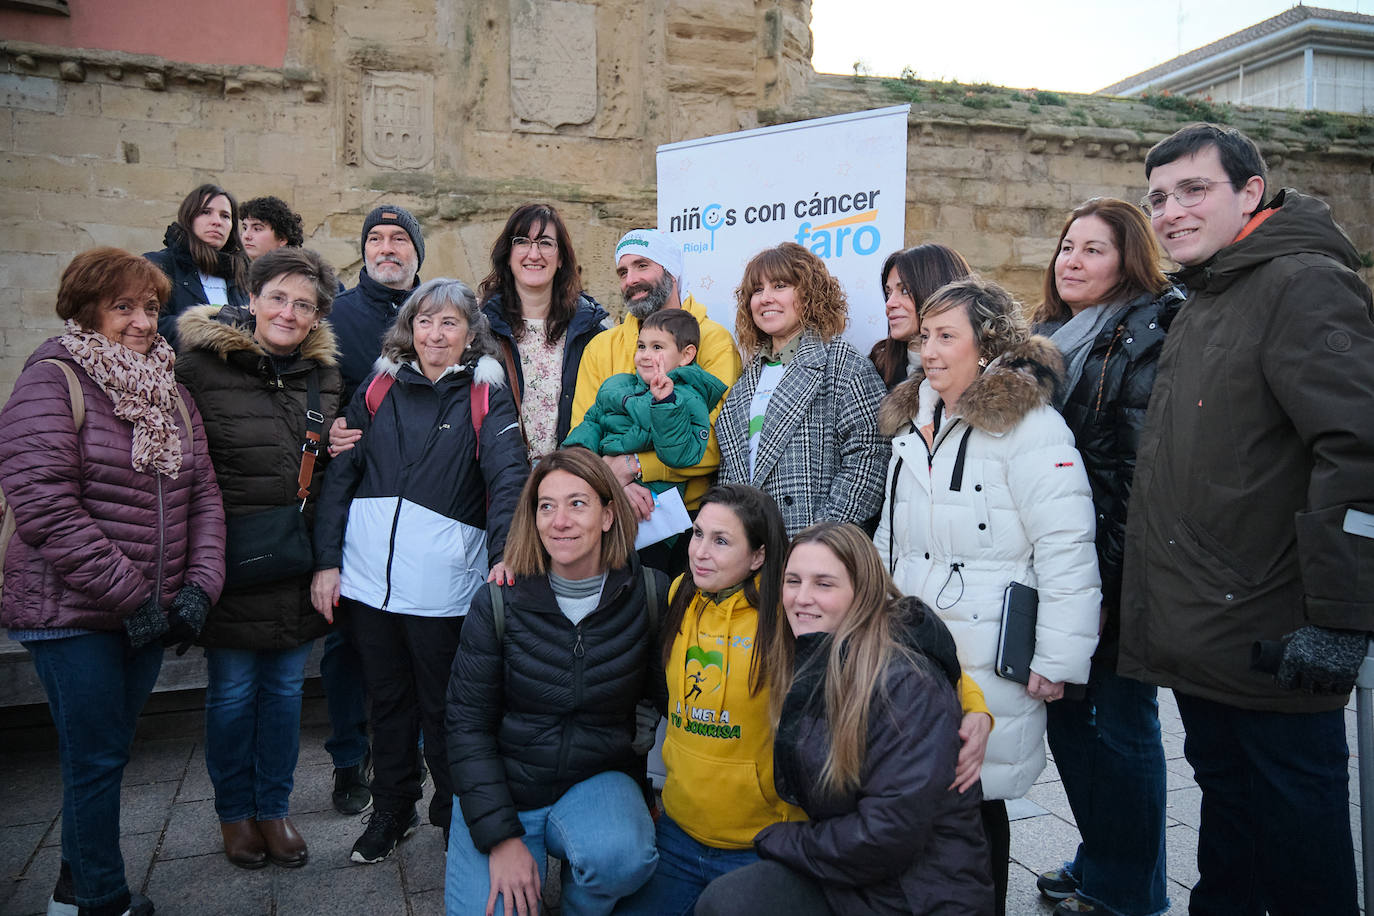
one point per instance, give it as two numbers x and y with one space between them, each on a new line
172 848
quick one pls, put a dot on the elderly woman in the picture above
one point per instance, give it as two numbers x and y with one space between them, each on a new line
118 547
409 524
541 705
1106 305
266 392
801 424
541 318
203 257
986 489
908 278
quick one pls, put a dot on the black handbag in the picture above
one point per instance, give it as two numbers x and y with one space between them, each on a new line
275 544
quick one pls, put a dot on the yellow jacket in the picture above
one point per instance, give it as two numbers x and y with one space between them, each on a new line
612 352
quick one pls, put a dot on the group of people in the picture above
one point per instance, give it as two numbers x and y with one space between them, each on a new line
225 449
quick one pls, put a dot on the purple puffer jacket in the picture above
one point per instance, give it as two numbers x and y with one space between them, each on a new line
95 537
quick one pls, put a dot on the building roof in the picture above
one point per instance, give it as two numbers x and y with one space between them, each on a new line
1288 18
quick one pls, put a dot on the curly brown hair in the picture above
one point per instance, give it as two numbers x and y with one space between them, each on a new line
994 313
821 300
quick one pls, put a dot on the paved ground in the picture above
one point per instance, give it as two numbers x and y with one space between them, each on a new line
172 848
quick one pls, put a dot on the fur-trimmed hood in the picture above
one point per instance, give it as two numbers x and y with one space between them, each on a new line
199 328
1015 383
487 370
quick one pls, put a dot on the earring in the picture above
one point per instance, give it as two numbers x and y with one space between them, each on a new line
982 362
315 326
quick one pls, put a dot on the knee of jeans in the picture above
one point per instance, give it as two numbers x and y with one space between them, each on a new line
617 865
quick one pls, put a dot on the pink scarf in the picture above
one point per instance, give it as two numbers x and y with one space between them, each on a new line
142 388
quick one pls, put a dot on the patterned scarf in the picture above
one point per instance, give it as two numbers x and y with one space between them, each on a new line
142 388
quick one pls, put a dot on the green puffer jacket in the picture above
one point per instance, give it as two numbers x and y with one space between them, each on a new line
1258 440
625 418
255 424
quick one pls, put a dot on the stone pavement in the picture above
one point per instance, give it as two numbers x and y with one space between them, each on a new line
172 848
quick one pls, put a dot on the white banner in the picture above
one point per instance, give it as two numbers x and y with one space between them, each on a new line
835 185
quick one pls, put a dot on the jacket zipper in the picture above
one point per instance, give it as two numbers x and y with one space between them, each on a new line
161 541
579 656
391 547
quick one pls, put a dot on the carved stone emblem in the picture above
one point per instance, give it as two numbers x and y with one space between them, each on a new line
552 64
398 119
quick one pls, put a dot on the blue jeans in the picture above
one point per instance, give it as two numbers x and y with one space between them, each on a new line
600 826
1275 829
1110 756
96 690
685 867
345 694
253 729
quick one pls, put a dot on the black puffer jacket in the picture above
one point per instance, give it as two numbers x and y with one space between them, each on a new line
587 322
187 292
360 317
254 415
1106 412
903 842
550 704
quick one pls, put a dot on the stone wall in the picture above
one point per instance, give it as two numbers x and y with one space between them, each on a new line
464 111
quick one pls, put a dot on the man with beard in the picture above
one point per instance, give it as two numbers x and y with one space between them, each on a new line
650 270
393 250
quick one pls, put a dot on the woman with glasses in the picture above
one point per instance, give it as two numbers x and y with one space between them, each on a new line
1106 304
985 490
261 389
541 319
203 257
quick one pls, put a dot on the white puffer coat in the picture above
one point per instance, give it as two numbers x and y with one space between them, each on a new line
1002 498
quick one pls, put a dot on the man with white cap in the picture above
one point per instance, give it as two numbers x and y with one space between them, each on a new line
650 271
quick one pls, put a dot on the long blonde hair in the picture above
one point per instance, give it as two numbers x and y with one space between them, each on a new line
862 650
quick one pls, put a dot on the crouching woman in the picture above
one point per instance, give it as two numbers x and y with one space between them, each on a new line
541 704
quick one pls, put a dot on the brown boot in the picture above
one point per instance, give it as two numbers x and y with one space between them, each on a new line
243 844
285 846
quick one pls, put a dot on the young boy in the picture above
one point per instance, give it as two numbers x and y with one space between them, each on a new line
664 405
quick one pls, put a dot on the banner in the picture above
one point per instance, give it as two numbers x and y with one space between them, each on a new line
835 185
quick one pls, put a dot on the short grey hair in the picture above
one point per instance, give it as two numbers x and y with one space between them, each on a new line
398 344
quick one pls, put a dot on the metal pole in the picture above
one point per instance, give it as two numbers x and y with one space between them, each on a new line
1364 729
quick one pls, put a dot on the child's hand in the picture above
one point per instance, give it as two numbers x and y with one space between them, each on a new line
660 386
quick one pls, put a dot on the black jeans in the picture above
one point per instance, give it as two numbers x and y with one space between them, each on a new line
1275 829
998 830
764 887
406 660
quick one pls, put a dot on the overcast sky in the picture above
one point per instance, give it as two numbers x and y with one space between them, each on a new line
1067 45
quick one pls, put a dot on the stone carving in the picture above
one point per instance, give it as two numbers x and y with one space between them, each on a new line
398 119
552 64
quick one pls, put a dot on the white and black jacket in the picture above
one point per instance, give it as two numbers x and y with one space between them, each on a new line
416 514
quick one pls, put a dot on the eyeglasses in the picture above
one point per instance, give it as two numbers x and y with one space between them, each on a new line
1188 193
299 306
545 244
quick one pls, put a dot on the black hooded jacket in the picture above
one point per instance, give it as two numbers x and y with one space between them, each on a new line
187 292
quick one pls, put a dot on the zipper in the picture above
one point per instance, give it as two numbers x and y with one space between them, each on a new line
391 548
579 656
161 541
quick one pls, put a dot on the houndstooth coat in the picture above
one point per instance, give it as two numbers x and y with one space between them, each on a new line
820 454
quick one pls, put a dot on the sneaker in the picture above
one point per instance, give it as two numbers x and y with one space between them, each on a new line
1057 884
1072 905
384 830
352 792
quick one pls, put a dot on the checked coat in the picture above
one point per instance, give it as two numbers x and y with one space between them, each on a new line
820 454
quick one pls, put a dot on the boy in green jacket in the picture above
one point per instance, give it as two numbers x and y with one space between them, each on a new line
665 405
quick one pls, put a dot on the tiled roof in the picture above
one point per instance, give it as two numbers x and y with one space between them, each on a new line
1269 26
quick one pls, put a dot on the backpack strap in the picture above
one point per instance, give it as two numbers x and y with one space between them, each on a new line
376 391
498 610
75 395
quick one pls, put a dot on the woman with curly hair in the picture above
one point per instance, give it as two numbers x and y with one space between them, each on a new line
908 278
541 319
204 257
801 424
986 490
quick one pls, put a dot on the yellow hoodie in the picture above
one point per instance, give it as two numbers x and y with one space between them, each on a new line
719 749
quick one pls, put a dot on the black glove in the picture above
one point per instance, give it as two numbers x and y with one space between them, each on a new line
1314 659
186 617
145 624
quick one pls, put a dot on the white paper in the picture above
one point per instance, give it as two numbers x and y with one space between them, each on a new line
1357 522
668 518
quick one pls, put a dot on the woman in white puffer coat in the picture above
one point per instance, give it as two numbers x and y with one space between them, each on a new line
985 488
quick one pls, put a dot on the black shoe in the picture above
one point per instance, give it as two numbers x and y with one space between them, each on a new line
384 830
1057 884
352 791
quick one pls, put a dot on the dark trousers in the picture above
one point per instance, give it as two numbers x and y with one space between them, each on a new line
998 830
764 887
341 673
1275 832
406 660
